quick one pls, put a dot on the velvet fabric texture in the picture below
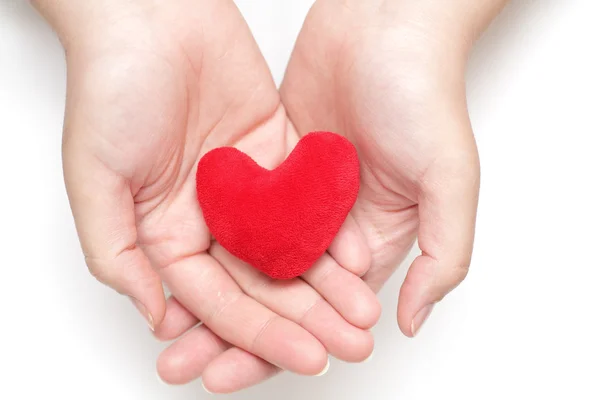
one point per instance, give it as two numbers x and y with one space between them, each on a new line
280 221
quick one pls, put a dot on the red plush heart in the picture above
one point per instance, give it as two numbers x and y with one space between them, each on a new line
279 221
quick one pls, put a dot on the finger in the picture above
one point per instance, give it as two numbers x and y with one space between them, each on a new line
185 360
177 321
447 210
103 209
202 286
296 300
346 292
202 353
350 249
234 370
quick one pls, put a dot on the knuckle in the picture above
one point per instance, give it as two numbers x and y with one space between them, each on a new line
97 269
225 301
104 272
310 309
119 272
453 275
257 341
458 272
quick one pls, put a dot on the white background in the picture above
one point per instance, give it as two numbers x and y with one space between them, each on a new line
525 323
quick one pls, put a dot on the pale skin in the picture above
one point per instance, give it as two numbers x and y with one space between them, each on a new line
154 85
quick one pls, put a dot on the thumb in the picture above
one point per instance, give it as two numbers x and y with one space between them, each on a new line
103 209
448 199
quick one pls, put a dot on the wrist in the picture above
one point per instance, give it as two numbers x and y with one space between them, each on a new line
73 20
80 23
449 28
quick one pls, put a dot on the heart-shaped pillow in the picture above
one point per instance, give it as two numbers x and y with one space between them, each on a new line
279 221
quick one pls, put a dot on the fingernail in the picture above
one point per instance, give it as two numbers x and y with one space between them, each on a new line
420 319
142 309
205 389
324 369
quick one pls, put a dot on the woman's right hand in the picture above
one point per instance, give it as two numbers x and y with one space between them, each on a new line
152 86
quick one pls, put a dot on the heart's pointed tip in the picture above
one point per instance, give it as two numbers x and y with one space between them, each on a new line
282 275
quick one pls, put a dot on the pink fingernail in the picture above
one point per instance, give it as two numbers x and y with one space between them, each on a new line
420 318
204 387
324 369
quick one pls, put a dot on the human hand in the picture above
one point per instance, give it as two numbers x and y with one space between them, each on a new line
389 76
151 88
